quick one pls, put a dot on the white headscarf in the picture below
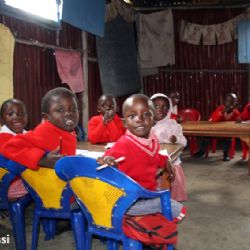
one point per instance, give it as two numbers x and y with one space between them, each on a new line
157 95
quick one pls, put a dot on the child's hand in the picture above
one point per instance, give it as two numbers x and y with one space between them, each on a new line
54 155
107 160
171 172
173 139
108 116
179 119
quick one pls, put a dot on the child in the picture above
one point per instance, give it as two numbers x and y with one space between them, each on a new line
173 109
169 131
225 112
141 151
51 139
14 119
106 127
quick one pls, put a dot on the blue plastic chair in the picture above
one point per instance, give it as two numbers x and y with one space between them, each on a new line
51 196
104 197
16 208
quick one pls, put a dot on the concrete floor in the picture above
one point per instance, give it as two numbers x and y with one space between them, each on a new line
218 209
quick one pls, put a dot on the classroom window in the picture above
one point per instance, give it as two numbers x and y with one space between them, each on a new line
43 12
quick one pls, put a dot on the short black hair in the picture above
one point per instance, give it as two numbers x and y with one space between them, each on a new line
106 96
60 91
136 97
10 101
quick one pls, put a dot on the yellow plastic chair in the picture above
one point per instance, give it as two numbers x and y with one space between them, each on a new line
51 195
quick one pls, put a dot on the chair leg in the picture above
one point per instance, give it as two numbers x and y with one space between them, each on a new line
35 231
170 247
214 145
49 228
112 244
79 227
130 244
18 222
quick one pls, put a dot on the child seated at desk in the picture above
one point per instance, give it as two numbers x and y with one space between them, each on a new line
169 131
106 127
140 148
51 139
225 112
14 119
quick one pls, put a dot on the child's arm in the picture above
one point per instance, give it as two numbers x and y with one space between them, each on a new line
218 114
50 158
171 172
109 160
108 116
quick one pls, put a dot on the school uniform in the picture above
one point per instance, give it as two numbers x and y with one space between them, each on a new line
99 132
27 149
16 188
142 160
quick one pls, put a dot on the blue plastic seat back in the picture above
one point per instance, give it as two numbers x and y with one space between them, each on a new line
6 177
103 195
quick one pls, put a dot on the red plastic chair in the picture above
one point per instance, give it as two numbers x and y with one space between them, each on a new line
190 115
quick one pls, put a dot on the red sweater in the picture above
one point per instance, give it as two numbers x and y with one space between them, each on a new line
99 132
245 115
141 162
27 149
218 116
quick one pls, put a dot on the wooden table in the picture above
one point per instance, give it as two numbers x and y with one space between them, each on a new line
219 129
173 149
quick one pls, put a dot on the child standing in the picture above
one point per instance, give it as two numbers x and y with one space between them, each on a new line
169 131
53 138
141 151
106 127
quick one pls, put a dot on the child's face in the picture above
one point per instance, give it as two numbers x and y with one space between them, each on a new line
139 118
107 104
175 98
161 108
15 117
63 113
230 102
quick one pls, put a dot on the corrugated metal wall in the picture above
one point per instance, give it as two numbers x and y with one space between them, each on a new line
202 74
34 68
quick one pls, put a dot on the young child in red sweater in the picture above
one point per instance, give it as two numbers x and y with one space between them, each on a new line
140 148
106 127
225 112
51 139
13 116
